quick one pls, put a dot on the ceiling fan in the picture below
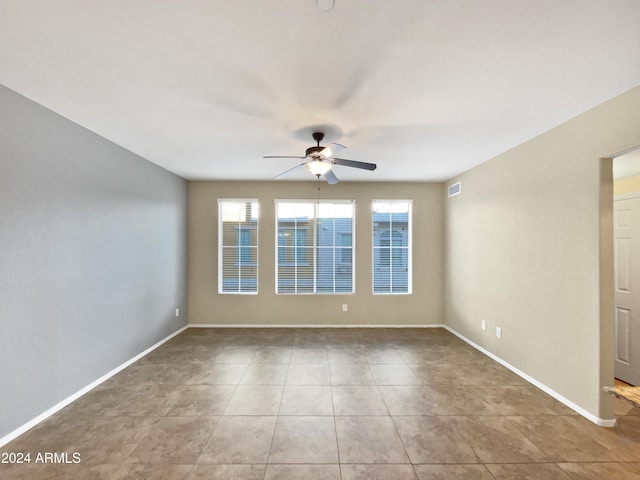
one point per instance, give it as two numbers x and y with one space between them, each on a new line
320 160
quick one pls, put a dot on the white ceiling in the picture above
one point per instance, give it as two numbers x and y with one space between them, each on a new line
424 88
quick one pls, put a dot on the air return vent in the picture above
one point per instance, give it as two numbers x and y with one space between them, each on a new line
454 189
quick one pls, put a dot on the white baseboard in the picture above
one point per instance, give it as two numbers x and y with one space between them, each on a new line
602 422
305 325
59 406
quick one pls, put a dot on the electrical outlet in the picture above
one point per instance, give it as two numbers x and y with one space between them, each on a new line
177 312
498 332
484 324
345 307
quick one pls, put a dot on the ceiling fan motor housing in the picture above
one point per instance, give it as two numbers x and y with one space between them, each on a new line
314 150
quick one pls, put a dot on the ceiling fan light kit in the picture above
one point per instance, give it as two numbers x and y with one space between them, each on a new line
320 160
325 5
318 167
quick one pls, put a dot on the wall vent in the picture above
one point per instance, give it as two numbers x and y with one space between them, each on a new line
454 189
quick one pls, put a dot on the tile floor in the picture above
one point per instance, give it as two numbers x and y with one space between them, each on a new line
325 404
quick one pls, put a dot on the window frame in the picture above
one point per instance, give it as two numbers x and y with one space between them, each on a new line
311 253
240 248
394 251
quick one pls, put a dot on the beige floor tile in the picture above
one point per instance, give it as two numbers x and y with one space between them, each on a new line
460 400
360 400
369 440
155 374
410 400
309 356
202 400
623 440
482 373
562 440
453 472
255 400
273 355
416 355
528 471
304 440
347 356
351 375
62 472
378 472
219 374
628 428
302 472
394 374
236 439
384 355
622 407
434 440
236 355
521 400
60 432
601 471
302 374
496 440
143 471
227 472
265 374
180 354
438 373
128 400
306 400
118 438
173 440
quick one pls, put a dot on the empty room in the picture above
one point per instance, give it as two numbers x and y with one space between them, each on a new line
320 239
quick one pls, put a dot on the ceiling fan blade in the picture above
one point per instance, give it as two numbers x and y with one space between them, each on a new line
354 163
331 150
331 178
284 174
283 156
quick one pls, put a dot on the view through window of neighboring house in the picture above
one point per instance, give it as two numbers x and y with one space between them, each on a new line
392 246
314 246
237 246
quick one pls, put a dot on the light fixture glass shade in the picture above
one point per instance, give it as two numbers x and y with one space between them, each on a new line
327 153
325 5
318 167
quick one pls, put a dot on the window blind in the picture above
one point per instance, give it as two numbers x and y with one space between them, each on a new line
237 246
314 246
391 246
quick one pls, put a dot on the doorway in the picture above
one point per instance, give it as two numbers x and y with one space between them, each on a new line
626 223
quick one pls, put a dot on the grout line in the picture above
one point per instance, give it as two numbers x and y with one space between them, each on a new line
335 426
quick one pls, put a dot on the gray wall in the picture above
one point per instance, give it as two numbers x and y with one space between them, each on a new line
93 257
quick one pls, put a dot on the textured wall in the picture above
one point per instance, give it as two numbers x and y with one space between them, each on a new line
529 248
92 257
424 306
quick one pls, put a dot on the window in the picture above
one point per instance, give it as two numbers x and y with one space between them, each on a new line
391 246
237 246
314 246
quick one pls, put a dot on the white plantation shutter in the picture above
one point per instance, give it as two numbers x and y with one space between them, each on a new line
237 246
391 246
314 246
